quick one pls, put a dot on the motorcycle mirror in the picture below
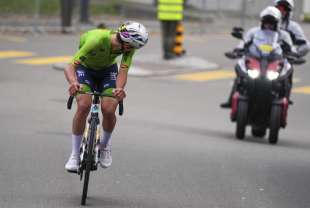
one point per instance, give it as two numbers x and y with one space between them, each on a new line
237 32
240 29
298 61
231 55
300 42
238 35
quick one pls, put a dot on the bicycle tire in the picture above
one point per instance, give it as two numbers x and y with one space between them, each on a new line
89 159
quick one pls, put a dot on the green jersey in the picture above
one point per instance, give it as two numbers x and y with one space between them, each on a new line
95 51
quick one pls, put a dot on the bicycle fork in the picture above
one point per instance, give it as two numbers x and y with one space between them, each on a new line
84 147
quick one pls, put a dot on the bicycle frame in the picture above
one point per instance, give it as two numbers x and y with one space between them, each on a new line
89 150
91 137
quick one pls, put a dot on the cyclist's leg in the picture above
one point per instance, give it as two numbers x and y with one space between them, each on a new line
109 104
79 119
108 108
86 80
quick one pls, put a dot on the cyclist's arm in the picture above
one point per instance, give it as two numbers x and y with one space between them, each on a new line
122 76
70 73
85 47
123 71
72 79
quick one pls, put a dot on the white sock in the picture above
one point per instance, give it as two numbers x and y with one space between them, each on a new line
76 143
106 139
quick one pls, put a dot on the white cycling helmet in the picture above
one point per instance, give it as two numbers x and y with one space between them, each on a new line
289 3
271 15
133 33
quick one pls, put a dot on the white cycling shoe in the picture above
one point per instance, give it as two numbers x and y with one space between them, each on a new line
105 157
72 165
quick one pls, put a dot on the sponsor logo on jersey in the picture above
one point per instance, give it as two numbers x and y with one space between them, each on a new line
113 75
80 73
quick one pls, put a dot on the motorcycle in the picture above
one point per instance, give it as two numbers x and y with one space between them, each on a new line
260 99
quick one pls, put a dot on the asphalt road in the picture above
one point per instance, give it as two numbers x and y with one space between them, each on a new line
173 148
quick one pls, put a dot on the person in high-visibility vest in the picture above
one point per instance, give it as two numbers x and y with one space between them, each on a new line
169 12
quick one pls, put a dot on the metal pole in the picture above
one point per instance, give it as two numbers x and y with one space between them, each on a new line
84 11
36 16
243 13
219 8
122 11
203 17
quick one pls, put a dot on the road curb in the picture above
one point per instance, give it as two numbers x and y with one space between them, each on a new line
134 71
165 68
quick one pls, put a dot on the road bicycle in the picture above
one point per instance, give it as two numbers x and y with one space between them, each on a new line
89 150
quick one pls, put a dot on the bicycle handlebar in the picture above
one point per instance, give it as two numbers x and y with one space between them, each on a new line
69 102
120 103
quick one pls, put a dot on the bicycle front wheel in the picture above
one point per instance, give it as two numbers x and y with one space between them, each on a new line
89 158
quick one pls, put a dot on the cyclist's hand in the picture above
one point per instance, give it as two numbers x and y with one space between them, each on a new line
119 93
74 88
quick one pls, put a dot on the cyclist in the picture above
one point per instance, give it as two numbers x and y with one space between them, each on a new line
94 67
267 32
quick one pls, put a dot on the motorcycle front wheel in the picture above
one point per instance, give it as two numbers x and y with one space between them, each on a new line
275 121
242 117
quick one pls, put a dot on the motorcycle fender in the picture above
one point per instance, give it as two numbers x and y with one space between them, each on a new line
283 102
234 105
285 105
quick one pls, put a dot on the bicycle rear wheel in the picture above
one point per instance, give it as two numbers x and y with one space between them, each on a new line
89 158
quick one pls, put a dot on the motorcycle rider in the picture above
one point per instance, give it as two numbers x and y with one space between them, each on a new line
268 32
299 39
286 8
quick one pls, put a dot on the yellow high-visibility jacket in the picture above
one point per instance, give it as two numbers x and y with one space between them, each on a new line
170 10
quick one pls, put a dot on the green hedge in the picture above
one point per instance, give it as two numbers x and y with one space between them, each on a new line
307 17
52 7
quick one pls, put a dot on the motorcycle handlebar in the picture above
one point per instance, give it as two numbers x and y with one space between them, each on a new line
294 58
234 54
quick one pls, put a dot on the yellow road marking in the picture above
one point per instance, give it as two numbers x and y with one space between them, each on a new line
302 90
13 38
14 54
207 76
45 60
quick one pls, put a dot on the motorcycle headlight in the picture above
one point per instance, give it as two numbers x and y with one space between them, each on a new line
272 75
253 73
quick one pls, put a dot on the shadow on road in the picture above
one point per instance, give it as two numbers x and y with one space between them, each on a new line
283 142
